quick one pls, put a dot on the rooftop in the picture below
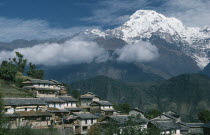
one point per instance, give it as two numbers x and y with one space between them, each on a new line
33 113
22 101
88 95
37 81
123 119
68 99
166 125
52 100
37 88
103 103
139 110
83 115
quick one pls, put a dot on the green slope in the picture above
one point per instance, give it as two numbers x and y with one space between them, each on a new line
187 94
8 89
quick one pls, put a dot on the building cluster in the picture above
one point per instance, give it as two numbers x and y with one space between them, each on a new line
52 107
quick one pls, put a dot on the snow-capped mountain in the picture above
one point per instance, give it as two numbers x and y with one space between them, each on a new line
143 24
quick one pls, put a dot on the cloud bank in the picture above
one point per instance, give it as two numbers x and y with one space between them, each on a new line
74 51
78 50
139 52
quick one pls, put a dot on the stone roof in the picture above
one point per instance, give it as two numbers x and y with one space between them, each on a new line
32 113
88 95
166 125
52 100
68 99
103 103
207 125
123 119
195 125
74 109
22 101
37 81
58 111
83 115
138 110
37 88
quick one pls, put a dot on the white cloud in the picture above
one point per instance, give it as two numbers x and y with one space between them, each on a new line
139 52
73 51
191 12
11 29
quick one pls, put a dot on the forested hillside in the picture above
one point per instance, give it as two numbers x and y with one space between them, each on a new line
188 94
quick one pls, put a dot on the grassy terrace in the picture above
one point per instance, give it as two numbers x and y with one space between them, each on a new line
8 89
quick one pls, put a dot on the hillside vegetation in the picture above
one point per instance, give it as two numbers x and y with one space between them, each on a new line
187 94
8 89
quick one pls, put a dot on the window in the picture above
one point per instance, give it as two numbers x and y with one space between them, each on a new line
86 121
67 104
25 109
84 128
91 121
5 110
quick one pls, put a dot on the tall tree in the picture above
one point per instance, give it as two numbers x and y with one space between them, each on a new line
33 72
20 62
204 116
8 71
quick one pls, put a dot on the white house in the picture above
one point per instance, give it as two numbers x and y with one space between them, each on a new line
12 105
81 122
137 112
54 102
24 111
88 98
103 107
70 102
44 88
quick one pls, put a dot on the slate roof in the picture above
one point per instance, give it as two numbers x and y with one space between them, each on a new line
68 99
166 125
207 125
74 109
138 110
37 88
103 103
123 119
195 125
22 101
58 111
32 113
83 115
88 95
37 81
52 100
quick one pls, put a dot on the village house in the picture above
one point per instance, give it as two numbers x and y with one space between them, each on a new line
44 88
81 122
122 120
206 129
88 98
195 128
54 102
70 102
168 117
137 112
12 105
26 111
166 127
102 107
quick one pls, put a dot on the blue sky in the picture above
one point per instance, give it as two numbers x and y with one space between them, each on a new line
42 19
